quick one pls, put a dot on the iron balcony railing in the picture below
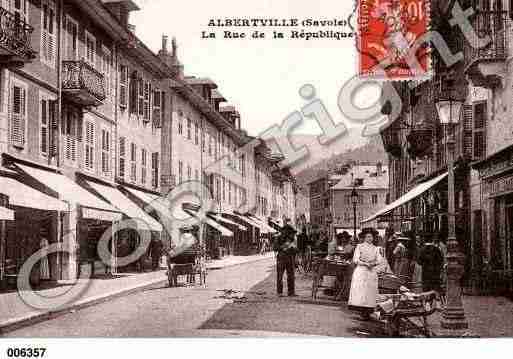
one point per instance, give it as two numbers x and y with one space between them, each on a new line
494 25
81 76
15 35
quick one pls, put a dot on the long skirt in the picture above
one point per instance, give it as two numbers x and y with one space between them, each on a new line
364 288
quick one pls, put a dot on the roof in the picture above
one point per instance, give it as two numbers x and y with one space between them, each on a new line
131 6
218 95
191 80
371 180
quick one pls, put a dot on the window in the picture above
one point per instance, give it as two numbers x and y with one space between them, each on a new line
155 169
196 133
106 68
18 116
479 133
229 192
143 165
123 86
89 146
133 162
122 154
71 39
48 128
147 103
70 126
157 108
180 172
48 43
140 95
189 129
134 92
218 189
224 189
374 199
105 152
180 124
90 49
196 175
209 145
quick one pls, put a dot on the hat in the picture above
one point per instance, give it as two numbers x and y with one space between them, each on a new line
366 231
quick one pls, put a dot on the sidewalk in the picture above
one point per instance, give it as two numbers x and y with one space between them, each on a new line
15 313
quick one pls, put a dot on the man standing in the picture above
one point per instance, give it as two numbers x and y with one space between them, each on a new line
285 249
156 253
431 260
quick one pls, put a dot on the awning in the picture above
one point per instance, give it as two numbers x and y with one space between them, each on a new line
212 223
6 214
22 195
264 227
224 220
71 192
414 193
125 205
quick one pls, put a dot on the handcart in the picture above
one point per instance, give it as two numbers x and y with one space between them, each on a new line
406 314
329 267
190 264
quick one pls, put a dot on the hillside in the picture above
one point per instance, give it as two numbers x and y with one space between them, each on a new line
370 152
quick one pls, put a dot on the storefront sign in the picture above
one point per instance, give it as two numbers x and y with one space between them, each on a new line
478 94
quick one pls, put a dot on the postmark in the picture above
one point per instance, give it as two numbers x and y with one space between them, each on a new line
388 39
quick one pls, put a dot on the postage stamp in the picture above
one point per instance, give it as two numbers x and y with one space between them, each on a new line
389 42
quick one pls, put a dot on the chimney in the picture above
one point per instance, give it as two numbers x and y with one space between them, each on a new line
171 59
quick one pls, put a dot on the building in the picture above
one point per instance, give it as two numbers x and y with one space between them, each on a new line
489 112
96 129
371 185
321 201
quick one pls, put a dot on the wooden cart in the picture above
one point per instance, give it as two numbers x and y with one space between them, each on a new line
325 267
189 264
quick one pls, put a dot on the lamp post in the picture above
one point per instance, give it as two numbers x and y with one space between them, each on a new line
354 201
453 316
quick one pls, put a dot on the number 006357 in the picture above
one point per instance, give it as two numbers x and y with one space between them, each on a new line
26 352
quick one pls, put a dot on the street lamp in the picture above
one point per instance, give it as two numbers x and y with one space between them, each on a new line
453 316
354 201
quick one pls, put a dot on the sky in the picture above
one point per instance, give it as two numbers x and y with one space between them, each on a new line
261 77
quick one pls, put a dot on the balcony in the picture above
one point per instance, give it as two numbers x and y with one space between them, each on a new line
15 35
392 142
486 65
419 142
82 84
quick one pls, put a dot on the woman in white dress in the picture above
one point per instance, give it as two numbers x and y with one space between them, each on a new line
364 284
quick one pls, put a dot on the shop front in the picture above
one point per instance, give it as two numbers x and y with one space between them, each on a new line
496 220
31 220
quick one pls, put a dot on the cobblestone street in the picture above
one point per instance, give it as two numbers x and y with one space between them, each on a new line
241 301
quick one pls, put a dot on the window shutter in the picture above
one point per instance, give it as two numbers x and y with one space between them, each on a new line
133 93
155 169
468 114
18 119
44 127
123 84
54 128
480 115
122 154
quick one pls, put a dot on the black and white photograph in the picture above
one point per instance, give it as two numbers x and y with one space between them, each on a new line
299 170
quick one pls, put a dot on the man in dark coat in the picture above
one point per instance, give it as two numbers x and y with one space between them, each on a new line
156 252
431 260
285 248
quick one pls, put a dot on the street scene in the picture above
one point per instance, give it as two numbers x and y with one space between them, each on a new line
138 199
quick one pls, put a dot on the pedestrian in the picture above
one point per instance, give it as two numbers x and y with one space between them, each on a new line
431 260
389 250
364 283
401 258
156 253
284 246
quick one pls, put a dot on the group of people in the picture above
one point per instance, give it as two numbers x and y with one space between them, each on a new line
418 260
415 260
